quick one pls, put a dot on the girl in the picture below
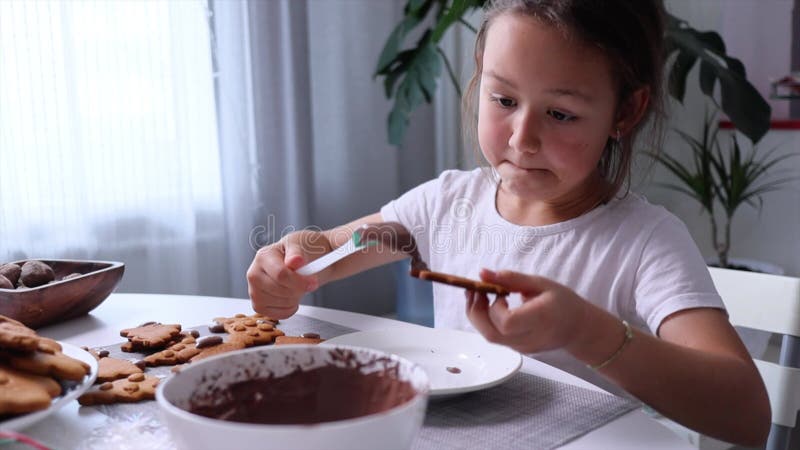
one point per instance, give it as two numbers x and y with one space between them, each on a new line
621 295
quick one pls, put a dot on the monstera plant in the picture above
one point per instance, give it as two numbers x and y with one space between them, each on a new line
411 73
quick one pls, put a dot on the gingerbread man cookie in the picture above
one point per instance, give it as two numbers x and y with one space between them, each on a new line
284 340
150 336
134 388
56 365
466 283
214 345
22 392
177 353
250 330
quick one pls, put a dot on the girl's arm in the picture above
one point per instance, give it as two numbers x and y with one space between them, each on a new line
369 258
276 288
697 373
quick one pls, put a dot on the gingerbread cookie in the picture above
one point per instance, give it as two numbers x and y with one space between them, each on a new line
16 336
110 369
178 353
250 330
56 365
150 336
217 349
22 392
134 388
284 340
466 283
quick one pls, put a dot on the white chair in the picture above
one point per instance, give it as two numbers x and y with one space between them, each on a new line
769 303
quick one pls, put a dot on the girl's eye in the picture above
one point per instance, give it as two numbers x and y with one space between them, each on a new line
505 102
560 116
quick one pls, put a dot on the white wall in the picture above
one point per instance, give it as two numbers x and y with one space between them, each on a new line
757 32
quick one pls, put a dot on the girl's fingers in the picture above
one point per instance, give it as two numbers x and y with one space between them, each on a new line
478 314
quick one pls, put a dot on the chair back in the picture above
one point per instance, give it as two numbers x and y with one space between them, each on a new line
769 303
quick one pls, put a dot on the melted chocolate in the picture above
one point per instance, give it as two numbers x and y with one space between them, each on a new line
396 237
325 394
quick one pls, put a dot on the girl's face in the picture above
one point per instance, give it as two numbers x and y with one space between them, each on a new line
546 111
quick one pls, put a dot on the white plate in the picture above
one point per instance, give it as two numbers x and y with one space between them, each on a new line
20 422
482 364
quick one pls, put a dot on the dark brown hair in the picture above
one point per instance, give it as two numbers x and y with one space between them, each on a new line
629 33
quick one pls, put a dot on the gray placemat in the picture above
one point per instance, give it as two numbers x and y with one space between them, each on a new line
526 412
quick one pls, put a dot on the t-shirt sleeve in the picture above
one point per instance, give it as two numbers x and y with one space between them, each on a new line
672 275
413 210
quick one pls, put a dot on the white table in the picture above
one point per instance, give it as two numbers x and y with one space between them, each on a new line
635 430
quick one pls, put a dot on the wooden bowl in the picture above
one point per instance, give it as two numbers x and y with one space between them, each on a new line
61 300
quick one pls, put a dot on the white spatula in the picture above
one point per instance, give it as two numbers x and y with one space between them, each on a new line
350 247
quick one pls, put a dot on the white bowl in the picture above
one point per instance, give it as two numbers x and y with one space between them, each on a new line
394 428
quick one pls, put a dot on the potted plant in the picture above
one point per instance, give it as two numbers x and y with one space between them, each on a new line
410 74
723 176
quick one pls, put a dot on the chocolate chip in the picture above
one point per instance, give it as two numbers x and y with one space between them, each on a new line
103 353
142 364
454 370
310 335
216 327
209 341
195 334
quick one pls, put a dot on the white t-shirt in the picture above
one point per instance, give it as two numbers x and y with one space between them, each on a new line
632 258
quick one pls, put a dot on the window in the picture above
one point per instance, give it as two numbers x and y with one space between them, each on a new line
108 133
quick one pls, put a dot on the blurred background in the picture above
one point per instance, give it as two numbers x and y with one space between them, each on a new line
179 136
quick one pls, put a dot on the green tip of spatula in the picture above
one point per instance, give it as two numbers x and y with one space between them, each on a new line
353 245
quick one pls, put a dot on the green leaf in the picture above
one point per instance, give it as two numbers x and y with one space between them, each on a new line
712 40
417 84
708 78
391 48
397 69
451 16
678 73
743 104
414 6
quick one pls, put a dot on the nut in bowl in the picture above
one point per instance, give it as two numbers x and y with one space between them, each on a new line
46 291
296 397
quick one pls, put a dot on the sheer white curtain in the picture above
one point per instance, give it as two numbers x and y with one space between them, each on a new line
296 89
180 136
108 140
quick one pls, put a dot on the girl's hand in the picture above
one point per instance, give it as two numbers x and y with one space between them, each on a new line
275 288
550 317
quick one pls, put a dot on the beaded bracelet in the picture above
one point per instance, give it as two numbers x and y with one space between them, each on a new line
628 338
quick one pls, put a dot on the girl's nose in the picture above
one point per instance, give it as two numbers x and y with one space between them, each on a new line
525 136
